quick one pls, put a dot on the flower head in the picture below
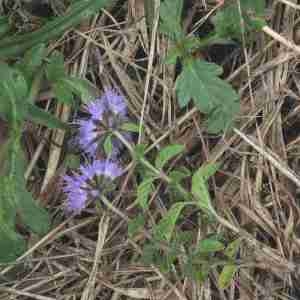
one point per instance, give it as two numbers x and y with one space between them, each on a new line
106 113
82 186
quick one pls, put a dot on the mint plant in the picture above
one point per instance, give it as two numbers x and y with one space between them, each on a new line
19 86
199 80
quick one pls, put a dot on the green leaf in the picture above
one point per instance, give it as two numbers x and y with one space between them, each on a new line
208 170
108 145
149 7
143 191
230 270
4 25
33 215
179 174
13 87
199 81
135 225
42 117
201 193
55 69
209 245
233 248
139 151
12 46
227 21
167 153
32 61
80 87
72 161
130 127
12 244
164 229
170 18
62 93
226 276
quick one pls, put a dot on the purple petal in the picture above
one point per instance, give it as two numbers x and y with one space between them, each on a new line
115 101
97 108
87 138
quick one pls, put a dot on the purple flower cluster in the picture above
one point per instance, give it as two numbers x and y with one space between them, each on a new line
82 185
104 114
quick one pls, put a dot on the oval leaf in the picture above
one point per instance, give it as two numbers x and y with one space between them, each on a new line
166 154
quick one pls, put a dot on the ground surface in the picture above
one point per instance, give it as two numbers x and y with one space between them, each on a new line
256 189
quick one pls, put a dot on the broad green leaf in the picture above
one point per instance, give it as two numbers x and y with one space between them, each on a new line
166 154
199 80
227 21
170 18
4 25
130 127
143 191
108 145
179 174
12 46
209 245
42 117
208 170
55 69
139 151
12 244
80 87
135 225
226 276
33 215
164 229
62 93
201 193
32 61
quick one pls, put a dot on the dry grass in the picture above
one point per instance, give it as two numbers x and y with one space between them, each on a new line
256 191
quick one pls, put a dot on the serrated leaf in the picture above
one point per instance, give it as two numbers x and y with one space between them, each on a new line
166 154
108 145
135 225
62 93
227 21
226 276
201 193
170 18
209 245
199 81
143 191
42 117
130 127
164 229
